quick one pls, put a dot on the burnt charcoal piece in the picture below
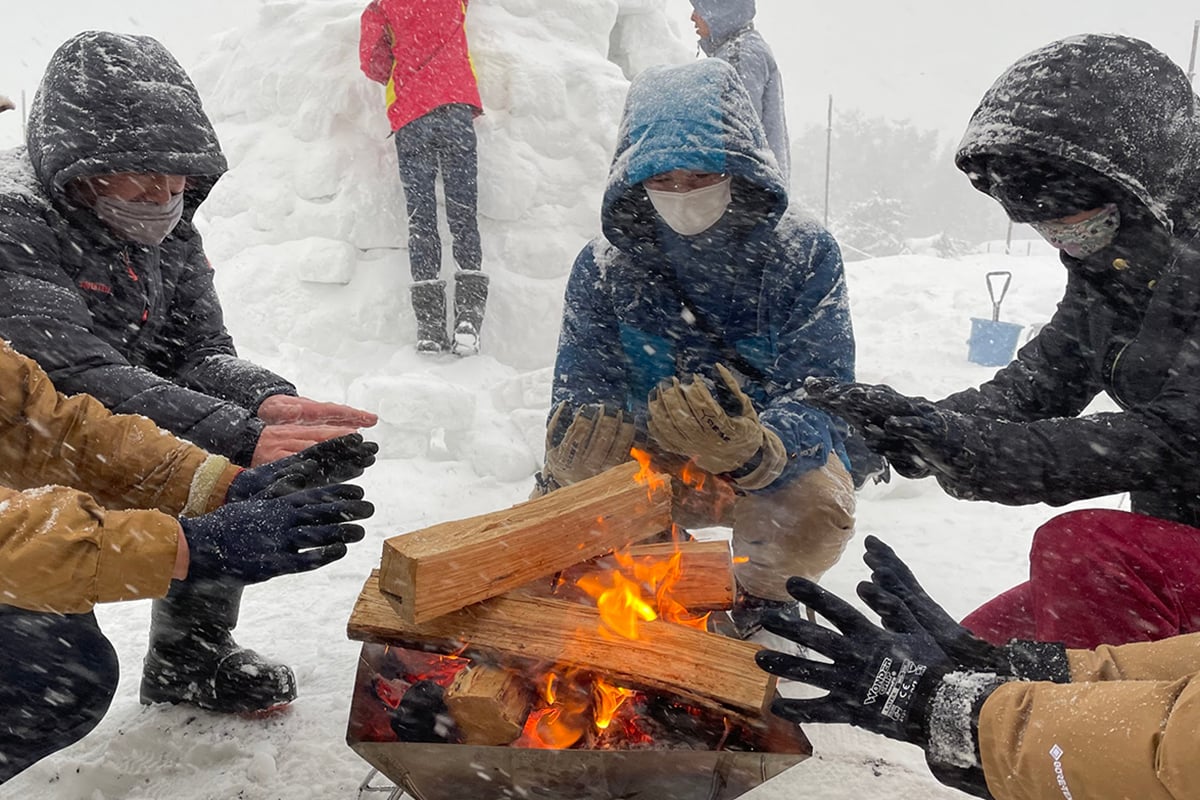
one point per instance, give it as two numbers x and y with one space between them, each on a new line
695 728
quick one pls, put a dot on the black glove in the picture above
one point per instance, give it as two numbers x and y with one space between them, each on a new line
868 408
256 540
1024 660
332 461
879 680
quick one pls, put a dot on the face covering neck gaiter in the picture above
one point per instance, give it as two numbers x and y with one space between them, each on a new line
691 213
1082 239
144 223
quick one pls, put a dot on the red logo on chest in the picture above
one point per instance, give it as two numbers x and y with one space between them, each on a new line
92 286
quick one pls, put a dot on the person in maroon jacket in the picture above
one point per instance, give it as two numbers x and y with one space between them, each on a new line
418 50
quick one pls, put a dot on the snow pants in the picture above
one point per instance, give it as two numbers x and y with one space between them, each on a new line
1101 577
801 528
58 675
441 141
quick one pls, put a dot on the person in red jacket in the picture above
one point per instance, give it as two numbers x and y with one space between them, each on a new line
418 50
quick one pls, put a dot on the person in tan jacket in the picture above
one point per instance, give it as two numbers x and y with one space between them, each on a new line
1026 721
88 514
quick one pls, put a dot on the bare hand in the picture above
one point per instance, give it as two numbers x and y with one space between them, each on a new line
280 441
282 409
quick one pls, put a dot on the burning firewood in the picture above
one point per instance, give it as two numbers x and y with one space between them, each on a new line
489 704
703 579
706 668
450 566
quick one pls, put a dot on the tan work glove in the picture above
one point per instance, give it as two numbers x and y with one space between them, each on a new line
593 439
686 419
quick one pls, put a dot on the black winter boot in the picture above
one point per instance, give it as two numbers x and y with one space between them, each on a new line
470 301
429 304
193 658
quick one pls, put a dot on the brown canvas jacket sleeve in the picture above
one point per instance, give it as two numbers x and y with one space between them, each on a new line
123 461
1131 728
61 552
1165 660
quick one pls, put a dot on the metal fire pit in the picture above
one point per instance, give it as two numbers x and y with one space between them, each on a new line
471 772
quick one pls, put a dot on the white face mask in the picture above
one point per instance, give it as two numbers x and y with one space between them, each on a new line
145 223
690 213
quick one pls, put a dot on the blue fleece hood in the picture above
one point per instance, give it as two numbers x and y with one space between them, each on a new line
696 117
724 17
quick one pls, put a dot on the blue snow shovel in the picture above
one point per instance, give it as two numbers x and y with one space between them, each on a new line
993 342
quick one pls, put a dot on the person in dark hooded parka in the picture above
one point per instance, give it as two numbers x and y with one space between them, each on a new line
1094 140
104 282
726 30
690 326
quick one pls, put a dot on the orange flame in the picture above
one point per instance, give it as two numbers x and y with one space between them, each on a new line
607 698
660 578
619 601
646 475
563 720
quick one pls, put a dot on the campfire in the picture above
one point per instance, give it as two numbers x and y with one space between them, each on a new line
574 625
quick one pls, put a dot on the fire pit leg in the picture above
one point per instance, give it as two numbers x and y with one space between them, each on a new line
394 792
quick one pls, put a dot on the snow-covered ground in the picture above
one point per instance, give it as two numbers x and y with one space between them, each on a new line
307 238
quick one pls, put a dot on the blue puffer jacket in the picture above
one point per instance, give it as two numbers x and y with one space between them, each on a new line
769 283
732 38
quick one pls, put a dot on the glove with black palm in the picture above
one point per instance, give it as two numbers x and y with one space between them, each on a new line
1020 659
869 409
880 680
332 461
255 540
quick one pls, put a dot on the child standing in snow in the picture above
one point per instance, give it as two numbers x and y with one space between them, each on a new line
418 50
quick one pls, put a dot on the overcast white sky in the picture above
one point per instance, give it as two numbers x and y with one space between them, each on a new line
925 60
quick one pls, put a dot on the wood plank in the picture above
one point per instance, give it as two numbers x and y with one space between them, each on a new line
704 668
449 566
489 704
705 577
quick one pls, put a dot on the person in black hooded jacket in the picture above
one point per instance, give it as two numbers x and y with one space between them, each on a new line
1095 141
104 282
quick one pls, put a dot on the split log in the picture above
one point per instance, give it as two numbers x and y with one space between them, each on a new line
705 576
489 704
708 669
452 565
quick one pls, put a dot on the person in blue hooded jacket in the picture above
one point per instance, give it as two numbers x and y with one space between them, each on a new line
726 30
691 326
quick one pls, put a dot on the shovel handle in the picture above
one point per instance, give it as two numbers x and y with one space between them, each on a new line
996 301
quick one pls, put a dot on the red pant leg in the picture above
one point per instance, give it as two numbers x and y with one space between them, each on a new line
1111 577
1005 617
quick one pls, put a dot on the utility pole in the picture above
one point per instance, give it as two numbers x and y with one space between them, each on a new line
1192 60
829 156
